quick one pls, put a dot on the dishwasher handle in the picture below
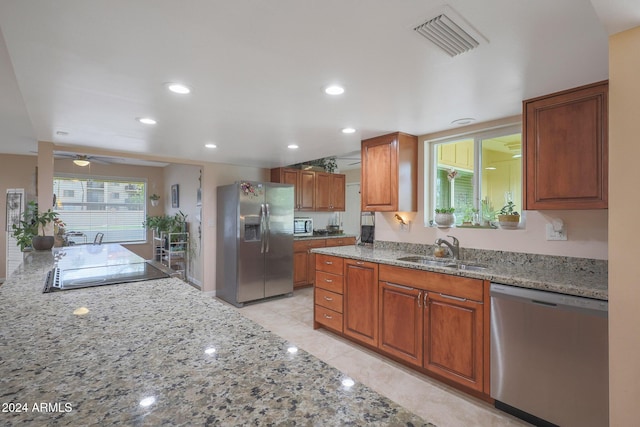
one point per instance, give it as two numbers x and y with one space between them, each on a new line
550 300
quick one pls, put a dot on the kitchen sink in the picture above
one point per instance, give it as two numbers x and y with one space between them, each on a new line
425 261
444 263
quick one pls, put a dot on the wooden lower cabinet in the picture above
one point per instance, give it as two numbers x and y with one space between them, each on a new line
361 301
453 339
434 322
328 294
304 261
401 328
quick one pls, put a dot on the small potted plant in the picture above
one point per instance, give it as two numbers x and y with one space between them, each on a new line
445 217
508 218
33 221
155 199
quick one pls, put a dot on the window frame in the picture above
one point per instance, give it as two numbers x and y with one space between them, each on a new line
110 179
431 159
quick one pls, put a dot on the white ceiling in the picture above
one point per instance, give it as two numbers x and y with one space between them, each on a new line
257 70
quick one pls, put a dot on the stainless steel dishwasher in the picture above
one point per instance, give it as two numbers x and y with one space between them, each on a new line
549 357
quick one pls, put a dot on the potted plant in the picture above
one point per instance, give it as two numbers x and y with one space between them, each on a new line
165 224
445 217
155 199
26 232
508 218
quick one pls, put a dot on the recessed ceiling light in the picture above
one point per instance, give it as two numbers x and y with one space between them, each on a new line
62 133
334 90
463 121
348 130
178 88
292 146
210 145
146 120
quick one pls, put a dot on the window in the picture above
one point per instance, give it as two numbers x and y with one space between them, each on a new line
476 174
91 205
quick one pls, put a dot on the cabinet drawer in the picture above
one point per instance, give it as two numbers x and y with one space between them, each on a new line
330 264
341 241
446 284
329 300
330 282
304 245
329 318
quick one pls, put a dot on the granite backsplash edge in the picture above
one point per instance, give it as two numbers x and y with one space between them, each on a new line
491 257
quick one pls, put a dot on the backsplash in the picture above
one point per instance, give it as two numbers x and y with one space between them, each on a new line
491 257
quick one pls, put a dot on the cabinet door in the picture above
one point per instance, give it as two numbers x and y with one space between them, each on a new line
566 149
380 174
323 191
300 268
401 322
453 339
338 192
361 301
307 182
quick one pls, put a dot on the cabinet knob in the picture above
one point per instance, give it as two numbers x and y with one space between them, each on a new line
328 298
328 280
328 262
326 316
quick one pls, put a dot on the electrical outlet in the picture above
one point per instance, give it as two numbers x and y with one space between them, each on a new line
556 234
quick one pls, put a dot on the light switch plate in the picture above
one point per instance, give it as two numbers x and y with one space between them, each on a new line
556 235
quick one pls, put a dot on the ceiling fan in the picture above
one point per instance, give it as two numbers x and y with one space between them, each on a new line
83 159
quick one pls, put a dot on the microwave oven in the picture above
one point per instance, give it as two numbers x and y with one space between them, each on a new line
302 227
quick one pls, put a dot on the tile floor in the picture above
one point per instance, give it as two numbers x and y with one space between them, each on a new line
292 319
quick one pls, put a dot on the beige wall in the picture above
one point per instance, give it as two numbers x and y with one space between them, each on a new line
153 175
587 230
15 172
624 268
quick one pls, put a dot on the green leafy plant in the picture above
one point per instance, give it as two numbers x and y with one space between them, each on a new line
33 221
445 210
154 196
166 223
509 209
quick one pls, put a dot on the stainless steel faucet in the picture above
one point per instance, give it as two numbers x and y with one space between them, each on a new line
454 248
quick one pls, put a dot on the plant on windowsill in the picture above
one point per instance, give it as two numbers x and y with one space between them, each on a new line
26 232
508 218
445 217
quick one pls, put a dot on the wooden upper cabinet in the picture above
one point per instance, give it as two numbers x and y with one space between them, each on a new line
330 192
303 183
389 173
566 149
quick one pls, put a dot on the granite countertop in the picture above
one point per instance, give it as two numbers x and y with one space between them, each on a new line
571 276
201 361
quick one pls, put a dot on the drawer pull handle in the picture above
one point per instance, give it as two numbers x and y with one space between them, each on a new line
328 298
326 316
359 262
328 280
453 298
419 298
328 262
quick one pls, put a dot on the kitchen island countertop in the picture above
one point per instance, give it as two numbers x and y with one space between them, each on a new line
200 361
578 279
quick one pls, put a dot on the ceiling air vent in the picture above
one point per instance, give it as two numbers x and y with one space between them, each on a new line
450 33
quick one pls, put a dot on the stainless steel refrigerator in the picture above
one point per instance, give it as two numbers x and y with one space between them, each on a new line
254 241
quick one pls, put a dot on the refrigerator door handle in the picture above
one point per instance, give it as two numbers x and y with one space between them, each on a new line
268 221
262 226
